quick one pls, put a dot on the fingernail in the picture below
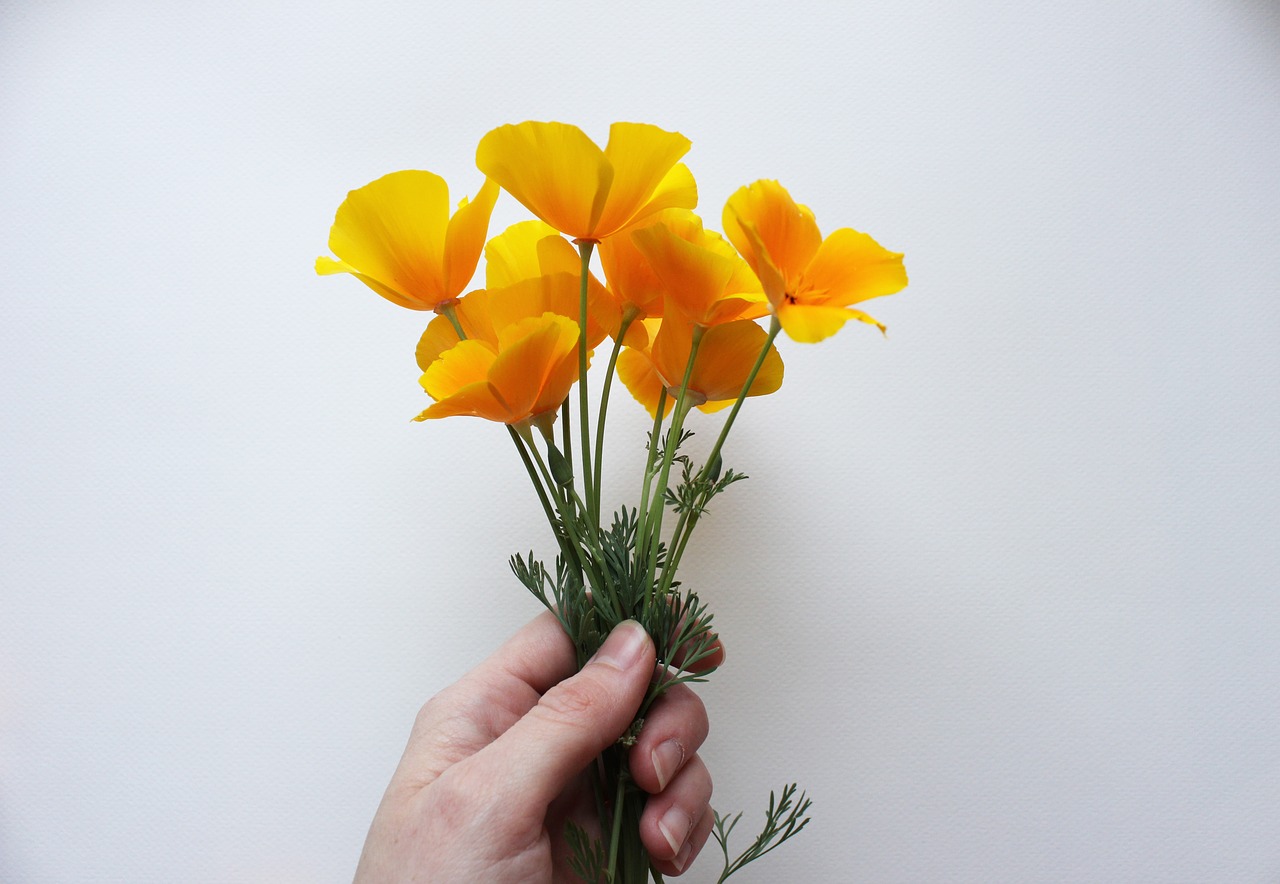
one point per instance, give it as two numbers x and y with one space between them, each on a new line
624 646
666 759
683 856
675 826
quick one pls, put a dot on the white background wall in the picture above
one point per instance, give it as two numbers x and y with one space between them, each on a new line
1003 591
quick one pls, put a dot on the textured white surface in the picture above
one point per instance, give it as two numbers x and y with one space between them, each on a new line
1002 590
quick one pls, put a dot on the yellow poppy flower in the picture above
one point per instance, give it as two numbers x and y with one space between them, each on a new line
396 236
564 178
811 282
701 275
528 372
726 355
530 270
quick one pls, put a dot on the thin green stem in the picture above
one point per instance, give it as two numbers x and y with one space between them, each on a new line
567 518
585 248
652 454
615 837
689 518
566 433
658 505
627 318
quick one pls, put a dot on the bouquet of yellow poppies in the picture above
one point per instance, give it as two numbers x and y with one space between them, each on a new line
681 307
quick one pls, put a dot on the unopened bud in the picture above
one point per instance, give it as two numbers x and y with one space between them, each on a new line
561 471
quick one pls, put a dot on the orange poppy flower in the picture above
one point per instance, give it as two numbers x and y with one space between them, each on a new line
701 275
527 373
564 178
811 282
396 236
725 357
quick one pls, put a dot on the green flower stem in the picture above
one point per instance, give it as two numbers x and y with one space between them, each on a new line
615 837
569 552
585 248
689 518
654 435
627 318
567 518
566 431
450 312
658 505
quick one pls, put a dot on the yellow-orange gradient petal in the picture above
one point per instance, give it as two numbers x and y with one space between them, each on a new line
395 235
627 272
724 360
636 371
850 267
464 238
553 169
529 372
642 156
564 178
786 229
703 279
513 254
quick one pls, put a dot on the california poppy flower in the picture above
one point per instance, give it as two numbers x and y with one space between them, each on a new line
725 357
811 282
396 236
525 374
701 275
564 178
528 273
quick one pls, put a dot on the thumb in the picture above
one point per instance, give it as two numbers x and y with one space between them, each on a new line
573 722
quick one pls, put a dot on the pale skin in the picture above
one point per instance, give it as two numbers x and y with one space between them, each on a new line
494 765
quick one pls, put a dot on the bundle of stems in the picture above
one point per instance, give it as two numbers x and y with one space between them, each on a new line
604 576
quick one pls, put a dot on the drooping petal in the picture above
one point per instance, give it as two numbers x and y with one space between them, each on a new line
810 323
391 235
328 266
851 267
464 238
642 157
786 229
553 169
726 356
476 400
636 371
724 359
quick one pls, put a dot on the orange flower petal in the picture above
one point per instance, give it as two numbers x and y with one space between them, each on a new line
466 363
512 255
810 323
395 235
636 371
851 267
642 157
786 229
697 275
464 238
553 169
530 353
472 312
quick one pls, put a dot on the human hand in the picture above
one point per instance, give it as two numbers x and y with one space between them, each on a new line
494 768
